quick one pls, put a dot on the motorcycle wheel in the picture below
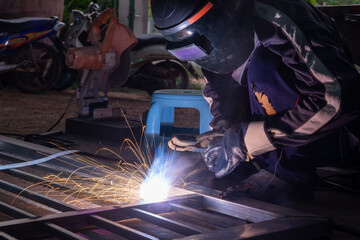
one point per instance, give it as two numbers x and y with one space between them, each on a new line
43 70
67 77
177 75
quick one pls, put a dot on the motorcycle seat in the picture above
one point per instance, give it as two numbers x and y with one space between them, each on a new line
26 24
145 40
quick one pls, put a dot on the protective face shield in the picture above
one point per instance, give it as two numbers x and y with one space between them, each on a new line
216 34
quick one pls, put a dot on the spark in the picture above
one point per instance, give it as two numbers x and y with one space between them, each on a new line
150 177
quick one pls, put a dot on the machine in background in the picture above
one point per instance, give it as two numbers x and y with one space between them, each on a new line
152 66
105 61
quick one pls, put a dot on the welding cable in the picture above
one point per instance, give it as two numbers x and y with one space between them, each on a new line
37 161
338 187
63 115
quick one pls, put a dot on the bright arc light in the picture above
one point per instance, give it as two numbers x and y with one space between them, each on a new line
154 189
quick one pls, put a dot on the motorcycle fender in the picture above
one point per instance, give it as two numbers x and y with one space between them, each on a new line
152 53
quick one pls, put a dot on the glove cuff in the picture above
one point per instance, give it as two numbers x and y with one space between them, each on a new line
256 139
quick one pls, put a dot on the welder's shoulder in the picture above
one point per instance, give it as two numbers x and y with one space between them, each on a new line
293 12
277 21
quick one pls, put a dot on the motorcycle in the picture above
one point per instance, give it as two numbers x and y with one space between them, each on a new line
80 24
75 36
31 65
152 66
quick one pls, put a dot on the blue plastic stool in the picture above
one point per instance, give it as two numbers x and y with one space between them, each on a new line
164 102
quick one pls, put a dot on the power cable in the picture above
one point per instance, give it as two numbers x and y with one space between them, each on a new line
63 115
37 161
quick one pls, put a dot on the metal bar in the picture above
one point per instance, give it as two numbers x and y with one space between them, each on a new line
34 178
202 190
13 211
63 218
282 228
163 222
15 144
216 220
41 167
16 150
68 234
53 203
273 208
56 230
190 200
6 236
62 232
45 166
119 229
239 211
279 229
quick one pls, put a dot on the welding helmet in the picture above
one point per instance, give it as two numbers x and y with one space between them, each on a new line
218 35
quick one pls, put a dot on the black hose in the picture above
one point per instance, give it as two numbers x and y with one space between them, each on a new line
62 116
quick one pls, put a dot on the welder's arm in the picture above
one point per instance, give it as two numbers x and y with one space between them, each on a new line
228 100
322 72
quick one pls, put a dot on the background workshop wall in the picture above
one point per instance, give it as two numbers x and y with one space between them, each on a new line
31 8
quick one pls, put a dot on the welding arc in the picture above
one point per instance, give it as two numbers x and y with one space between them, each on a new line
37 161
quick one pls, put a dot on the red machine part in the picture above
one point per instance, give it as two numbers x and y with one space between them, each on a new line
117 36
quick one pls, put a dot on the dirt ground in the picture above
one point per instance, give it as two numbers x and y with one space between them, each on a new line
22 113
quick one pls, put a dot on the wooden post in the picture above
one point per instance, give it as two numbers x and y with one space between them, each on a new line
139 14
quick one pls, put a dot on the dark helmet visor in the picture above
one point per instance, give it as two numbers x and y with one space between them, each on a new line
188 53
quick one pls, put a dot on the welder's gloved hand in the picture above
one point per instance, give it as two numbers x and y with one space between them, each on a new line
226 154
195 143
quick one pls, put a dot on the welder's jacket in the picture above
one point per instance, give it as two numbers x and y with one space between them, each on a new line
300 82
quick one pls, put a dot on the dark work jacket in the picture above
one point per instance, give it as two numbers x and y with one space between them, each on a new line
298 85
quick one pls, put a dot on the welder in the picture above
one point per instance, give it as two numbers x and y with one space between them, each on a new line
281 85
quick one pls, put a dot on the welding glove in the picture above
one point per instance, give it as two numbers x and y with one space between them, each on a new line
195 143
227 153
